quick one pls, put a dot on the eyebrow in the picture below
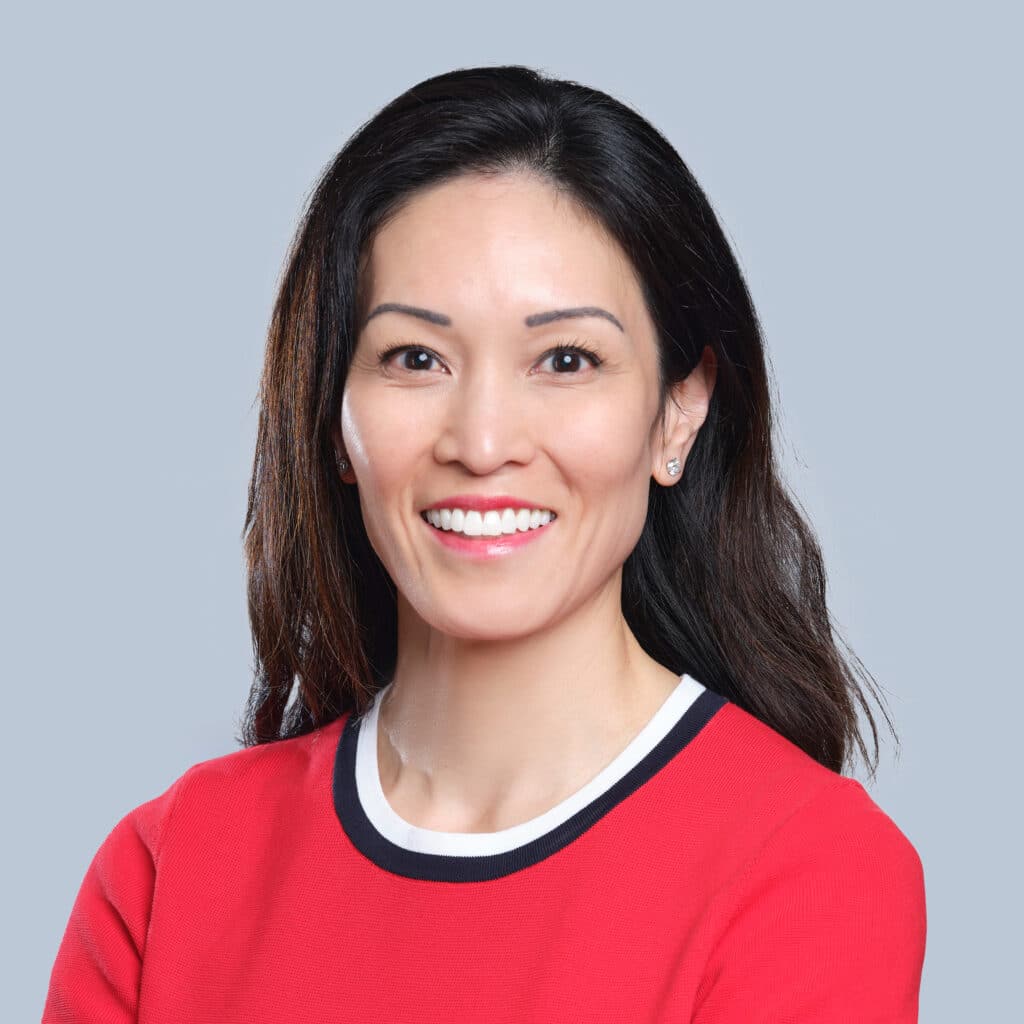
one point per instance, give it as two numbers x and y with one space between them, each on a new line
534 320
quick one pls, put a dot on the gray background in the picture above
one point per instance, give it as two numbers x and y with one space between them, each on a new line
865 162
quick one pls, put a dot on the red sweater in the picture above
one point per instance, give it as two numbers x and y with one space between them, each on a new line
713 873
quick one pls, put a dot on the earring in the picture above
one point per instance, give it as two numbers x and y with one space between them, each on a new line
673 467
342 463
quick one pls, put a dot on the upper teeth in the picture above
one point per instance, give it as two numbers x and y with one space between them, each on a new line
489 524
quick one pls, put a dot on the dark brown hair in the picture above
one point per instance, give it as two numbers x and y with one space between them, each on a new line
726 582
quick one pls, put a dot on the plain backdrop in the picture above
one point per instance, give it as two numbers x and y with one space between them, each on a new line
865 161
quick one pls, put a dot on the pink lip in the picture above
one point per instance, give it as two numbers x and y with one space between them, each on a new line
485 503
487 547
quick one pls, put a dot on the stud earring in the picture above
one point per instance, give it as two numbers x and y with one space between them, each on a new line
342 463
673 467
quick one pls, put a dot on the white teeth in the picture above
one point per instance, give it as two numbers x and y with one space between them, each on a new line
490 524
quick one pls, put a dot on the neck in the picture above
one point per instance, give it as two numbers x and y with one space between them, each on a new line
480 735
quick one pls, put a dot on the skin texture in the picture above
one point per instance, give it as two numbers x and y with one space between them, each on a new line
517 679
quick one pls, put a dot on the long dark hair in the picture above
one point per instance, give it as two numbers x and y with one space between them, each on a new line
726 582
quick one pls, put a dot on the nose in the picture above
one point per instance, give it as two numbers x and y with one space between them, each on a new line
487 421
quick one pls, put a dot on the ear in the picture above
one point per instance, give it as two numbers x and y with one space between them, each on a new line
687 409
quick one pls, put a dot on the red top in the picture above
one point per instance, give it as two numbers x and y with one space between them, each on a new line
714 873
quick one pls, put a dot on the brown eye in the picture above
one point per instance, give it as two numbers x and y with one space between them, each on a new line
415 357
567 357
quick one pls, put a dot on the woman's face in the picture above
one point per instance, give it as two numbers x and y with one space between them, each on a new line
478 404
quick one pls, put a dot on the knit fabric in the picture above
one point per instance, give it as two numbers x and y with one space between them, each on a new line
714 873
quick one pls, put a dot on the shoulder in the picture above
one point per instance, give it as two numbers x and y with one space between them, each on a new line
223 794
267 763
819 909
749 750
842 835
772 798
795 815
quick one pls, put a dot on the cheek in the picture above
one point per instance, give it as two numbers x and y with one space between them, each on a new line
380 444
369 421
607 444
605 458
380 421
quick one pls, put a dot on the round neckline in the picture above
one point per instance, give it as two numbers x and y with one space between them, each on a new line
403 848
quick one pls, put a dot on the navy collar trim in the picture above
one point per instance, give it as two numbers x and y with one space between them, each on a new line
450 868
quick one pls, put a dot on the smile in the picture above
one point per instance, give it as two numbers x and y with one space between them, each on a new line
495 523
484 536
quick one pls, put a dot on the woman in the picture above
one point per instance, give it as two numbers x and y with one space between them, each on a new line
549 721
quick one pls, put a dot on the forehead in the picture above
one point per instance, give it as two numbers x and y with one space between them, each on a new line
480 245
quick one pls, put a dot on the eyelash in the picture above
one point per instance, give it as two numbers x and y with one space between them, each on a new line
566 347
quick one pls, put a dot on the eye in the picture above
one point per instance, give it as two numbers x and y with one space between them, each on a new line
423 357
565 356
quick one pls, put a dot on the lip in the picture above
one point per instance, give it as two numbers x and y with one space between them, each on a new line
489 547
486 503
